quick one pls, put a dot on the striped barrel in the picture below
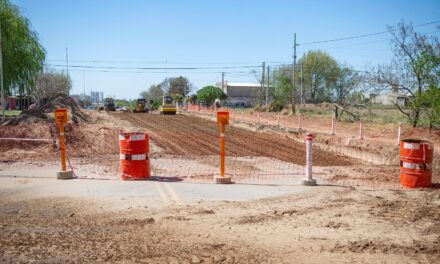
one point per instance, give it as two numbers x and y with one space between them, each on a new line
416 158
133 155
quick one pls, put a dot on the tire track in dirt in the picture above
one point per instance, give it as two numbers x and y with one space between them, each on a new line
158 139
179 133
188 135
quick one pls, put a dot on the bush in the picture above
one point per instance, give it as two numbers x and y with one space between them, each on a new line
208 94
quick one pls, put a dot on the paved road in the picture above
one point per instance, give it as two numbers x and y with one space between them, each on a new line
115 194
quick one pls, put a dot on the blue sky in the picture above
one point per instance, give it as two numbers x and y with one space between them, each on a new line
208 34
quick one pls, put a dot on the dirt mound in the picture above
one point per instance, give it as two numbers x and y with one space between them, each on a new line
44 112
14 150
423 133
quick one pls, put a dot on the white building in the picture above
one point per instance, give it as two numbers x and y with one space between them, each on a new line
389 99
241 94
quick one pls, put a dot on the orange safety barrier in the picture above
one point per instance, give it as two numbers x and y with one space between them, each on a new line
134 159
416 158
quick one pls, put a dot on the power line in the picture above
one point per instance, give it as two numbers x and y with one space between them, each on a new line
362 36
154 68
157 62
159 72
372 42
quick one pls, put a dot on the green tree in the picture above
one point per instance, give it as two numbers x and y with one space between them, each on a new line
430 104
429 100
155 92
319 71
282 88
192 99
178 98
208 94
153 95
177 85
23 56
342 83
412 68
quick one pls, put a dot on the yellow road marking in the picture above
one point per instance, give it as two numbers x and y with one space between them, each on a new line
173 194
162 193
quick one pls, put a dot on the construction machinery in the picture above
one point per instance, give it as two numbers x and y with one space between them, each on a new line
141 106
109 104
168 106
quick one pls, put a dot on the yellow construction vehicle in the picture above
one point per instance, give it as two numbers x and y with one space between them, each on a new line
141 106
168 106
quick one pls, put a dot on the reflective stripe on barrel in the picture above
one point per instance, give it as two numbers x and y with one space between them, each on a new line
418 151
133 137
416 166
411 145
133 155
416 158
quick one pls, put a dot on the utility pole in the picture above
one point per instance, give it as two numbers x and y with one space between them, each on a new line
293 72
267 87
67 68
84 98
1 76
223 82
302 85
263 66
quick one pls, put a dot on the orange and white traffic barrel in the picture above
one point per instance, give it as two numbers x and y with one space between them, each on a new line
134 156
416 158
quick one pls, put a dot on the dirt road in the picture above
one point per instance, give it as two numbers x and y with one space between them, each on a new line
188 135
324 225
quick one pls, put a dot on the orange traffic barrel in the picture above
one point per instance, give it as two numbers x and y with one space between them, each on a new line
416 158
133 155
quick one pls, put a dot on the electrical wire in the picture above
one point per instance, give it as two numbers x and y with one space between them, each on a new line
372 42
362 36
155 72
159 62
153 68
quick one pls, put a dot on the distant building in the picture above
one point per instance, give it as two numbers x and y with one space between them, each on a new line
96 97
80 97
17 102
389 99
241 94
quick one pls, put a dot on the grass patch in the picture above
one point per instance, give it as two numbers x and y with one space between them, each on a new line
11 112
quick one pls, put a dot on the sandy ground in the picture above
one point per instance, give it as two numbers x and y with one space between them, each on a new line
320 225
369 220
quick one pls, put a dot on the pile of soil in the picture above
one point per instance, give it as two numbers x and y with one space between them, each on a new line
43 113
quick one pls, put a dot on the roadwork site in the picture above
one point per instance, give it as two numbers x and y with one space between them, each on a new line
358 213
